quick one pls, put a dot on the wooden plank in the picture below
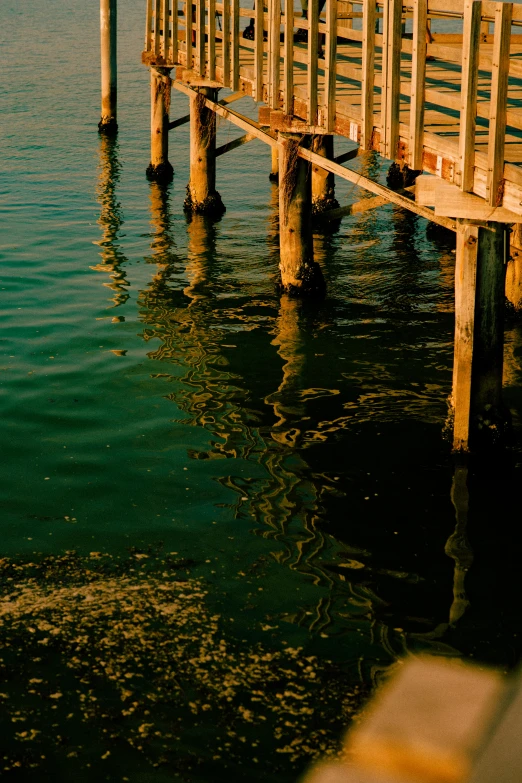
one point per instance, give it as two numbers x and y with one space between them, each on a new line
148 26
157 25
470 56
288 74
418 78
427 722
174 30
232 145
330 73
211 68
497 110
235 45
501 760
274 52
225 44
450 201
348 155
200 37
165 25
313 44
368 72
258 50
391 76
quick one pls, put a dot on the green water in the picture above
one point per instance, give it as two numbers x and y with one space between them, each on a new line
163 407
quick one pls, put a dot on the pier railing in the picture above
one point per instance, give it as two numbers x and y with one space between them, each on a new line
362 72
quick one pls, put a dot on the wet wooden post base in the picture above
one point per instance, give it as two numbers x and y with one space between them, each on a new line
202 196
323 182
514 269
300 275
274 170
109 75
479 415
160 88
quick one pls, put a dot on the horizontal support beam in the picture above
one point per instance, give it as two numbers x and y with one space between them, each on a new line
364 205
232 145
223 102
250 126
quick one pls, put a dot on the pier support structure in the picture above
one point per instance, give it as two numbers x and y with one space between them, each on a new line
323 182
274 170
300 275
202 196
109 73
479 415
160 89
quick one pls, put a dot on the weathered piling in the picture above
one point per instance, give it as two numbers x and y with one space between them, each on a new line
479 415
514 269
300 275
160 89
202 196
323 182
109 70
274 170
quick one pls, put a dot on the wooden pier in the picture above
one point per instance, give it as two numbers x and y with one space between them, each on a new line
387 76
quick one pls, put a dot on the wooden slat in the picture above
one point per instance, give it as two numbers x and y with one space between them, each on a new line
179 121
330 72
368 72
501 760
497 110
258 50
313 44
274 51
470 57
157 26
234 84
427 722
232 145
391 76
211 25
225 23
200 37
165 26
449 200
174 28
148 25
418 77
288 73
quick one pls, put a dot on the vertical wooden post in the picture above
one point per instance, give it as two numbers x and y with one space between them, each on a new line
468 92
330 65
418 83
368 72
109 74
391 76
160 88
312 60
274 171
323 182
300 275
202 196
498 103
479 337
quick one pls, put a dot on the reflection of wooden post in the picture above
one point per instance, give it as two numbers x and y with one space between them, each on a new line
514 268
160 87
323 182
479 334
109 75
202 196
299 274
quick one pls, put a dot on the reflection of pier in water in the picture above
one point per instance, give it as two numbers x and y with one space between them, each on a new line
111 221
285 504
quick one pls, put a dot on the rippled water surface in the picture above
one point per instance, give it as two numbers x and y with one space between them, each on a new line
170 423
